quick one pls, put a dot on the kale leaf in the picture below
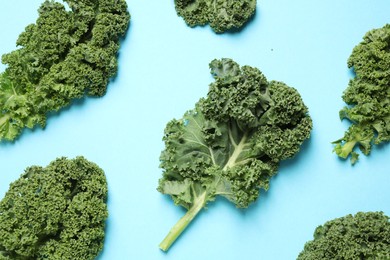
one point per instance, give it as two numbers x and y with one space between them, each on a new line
231 143
365 235
222 15
55 212
367 96
65 55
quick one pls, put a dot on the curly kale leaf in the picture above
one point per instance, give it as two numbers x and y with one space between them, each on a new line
55 212
64 56
222 15
366 235
231 143
367 96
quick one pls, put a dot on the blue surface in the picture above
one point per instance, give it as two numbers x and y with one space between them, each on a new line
163 71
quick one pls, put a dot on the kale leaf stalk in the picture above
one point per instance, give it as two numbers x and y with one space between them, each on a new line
238 149
4 119
231 143
181 225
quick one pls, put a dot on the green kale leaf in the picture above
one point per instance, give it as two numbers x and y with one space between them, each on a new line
366 235
367 96
231 143
222 15
65 55
55 212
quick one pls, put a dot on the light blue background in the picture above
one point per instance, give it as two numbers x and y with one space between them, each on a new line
163 71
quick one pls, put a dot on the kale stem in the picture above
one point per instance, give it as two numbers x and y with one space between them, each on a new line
181 225
347 148
4 119
237 151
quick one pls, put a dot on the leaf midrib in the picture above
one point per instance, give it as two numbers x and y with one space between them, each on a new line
238 149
